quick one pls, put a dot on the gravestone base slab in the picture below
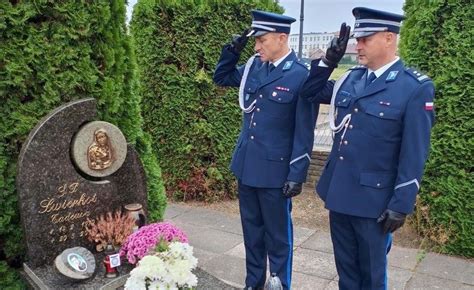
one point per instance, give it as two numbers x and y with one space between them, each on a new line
47 277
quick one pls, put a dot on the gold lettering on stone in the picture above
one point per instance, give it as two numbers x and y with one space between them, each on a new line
52 204
100 152
68 217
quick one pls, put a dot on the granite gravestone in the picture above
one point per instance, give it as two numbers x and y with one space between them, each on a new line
57 193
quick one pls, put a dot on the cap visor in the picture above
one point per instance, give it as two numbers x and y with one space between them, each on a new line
260 33
360 34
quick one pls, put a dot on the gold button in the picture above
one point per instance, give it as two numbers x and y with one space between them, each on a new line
350 126
281 158
341 158
381 114
261 96
378 184
279 99
252 137
258 109
356 110
254 124
345 142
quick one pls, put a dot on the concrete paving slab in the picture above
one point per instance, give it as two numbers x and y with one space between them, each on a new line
209 239
314 263
332 285
398 278
448 268
404 258
301 281
227 268
423 281
174 210
237 251
300 235
203 256
212 219
319 241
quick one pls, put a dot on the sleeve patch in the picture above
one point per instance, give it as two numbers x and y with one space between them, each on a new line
429 106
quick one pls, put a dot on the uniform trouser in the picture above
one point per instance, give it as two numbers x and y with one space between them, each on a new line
268 230
360 251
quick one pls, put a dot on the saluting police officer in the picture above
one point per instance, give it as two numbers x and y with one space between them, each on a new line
273 151
381 113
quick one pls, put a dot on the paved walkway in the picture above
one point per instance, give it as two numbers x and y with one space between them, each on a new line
218 245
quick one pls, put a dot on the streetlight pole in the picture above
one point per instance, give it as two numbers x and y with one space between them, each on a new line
300 44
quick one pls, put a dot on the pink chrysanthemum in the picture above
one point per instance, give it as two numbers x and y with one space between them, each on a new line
147 237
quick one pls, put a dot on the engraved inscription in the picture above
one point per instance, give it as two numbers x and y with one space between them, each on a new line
67 211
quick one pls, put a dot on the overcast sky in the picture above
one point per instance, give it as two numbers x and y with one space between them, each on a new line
325 15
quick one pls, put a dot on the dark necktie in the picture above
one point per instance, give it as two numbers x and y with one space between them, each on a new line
271 67
370 79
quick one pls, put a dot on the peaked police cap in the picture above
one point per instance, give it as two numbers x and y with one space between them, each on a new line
370 21
264 22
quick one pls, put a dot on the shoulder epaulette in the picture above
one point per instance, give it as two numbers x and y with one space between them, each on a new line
419 76
304 64
358 67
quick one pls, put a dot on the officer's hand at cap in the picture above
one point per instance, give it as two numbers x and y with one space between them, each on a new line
392 220
337 47
239 41
291 189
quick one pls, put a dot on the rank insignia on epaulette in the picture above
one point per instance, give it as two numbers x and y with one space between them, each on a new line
288 65
392 75
282 89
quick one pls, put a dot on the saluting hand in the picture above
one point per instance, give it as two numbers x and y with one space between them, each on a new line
240 41
337 47
392 220
291 189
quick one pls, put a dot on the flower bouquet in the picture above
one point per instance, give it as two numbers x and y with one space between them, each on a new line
141 242
169 267
165 259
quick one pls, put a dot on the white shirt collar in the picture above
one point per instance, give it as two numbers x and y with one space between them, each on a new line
381 70
276 63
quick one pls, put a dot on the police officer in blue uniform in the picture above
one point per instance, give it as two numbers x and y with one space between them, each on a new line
381 114
273 151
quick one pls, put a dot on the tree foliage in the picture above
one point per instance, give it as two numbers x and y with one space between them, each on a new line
437 38
194 124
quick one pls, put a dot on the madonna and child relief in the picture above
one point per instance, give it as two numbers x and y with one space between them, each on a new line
100 153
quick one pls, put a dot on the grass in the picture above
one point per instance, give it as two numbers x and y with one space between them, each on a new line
340 70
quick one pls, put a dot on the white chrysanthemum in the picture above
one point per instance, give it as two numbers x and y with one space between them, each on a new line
134 283
165 270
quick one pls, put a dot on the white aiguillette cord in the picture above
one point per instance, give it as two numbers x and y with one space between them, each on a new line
332 109
250 108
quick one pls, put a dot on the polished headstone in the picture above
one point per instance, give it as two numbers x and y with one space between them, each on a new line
55 197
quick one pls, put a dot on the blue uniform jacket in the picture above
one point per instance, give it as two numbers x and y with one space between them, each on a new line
377 161
276 138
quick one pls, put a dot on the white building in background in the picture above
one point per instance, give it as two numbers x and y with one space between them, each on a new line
312 42
316 43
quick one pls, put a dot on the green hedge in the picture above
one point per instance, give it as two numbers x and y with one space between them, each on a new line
437 38
52 52
194 124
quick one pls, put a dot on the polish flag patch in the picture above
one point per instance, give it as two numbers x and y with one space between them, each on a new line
429 106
